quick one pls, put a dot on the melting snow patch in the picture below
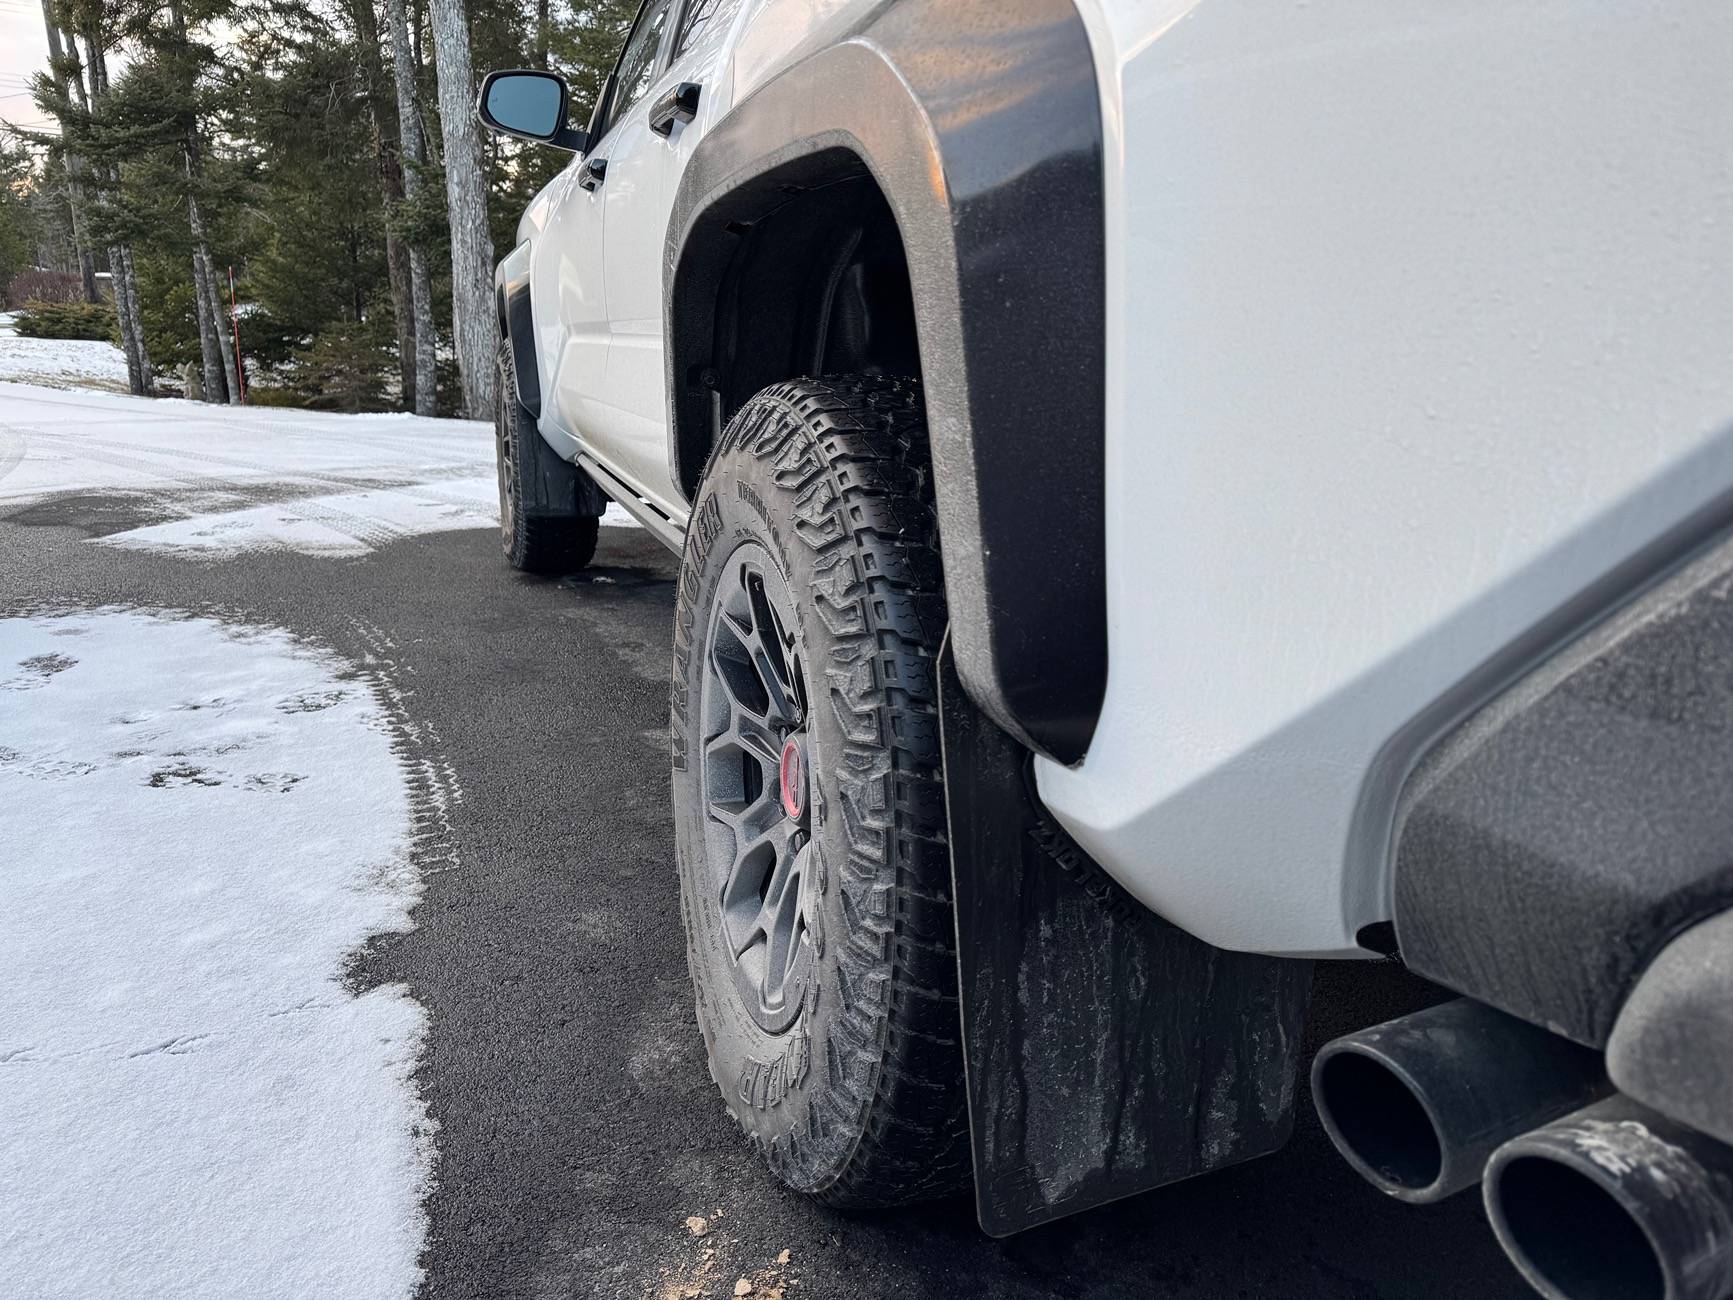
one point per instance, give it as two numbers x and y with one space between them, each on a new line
230 480
201 822
349 523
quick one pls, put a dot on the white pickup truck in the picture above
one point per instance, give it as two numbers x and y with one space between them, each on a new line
1168 490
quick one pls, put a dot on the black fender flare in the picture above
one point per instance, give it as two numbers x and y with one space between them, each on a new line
981 124
517 327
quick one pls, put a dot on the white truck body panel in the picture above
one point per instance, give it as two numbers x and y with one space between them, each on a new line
1420 321
1419 325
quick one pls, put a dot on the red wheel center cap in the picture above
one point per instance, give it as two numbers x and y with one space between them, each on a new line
791 778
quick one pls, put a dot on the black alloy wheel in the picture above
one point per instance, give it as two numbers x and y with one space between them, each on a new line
758 834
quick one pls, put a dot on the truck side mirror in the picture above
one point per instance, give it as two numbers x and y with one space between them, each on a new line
530 105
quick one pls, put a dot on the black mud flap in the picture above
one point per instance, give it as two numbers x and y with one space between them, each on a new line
1107 1051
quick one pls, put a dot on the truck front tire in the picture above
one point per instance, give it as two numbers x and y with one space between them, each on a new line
808 793
540 528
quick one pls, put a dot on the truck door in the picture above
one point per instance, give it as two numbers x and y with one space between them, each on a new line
656 135
610 410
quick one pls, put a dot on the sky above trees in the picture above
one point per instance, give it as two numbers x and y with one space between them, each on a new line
23 53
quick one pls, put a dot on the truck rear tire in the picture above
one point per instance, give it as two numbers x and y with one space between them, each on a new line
808 793
540 528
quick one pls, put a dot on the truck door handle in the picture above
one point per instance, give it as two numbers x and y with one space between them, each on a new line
680 104
591 173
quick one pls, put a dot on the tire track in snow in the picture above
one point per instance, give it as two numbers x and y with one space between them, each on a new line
12 449
434 790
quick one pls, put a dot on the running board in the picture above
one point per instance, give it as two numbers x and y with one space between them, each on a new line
661 527
1107 1052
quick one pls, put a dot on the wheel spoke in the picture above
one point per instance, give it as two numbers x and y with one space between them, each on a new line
781 704
750 818
769 647
503 461
797 670
737 670
779 916
758 862
757 738
747 739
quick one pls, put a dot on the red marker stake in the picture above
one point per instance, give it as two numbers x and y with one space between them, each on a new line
235 324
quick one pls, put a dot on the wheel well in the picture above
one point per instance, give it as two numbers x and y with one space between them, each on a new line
799 272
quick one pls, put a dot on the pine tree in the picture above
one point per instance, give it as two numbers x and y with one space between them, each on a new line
317 250
23 238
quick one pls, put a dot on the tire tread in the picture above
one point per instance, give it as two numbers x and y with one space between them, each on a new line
854 452
549 545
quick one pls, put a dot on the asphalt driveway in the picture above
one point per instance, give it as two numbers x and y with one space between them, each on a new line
580 1150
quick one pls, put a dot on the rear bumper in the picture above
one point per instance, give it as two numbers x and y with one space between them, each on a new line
1566 854
1556 842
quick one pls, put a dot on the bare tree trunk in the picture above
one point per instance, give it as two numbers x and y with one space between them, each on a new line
137 306
210 343
414 157
211 347
123 317
81 231
228 387
402 314
79 168
540 54
225 331
74 163
426 369
218 364
472 322
139 379
220 319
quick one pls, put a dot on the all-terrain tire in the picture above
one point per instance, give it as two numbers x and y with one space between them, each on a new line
859 1100
540 528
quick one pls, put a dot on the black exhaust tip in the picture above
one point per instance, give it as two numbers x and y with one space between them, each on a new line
1569 1236
1616 1202
1378 1123
1418 1105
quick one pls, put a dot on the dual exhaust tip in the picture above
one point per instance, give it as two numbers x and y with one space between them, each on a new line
1592 1196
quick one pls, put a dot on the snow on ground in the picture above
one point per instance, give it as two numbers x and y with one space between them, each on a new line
60 363
200 822
229 479
342 524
